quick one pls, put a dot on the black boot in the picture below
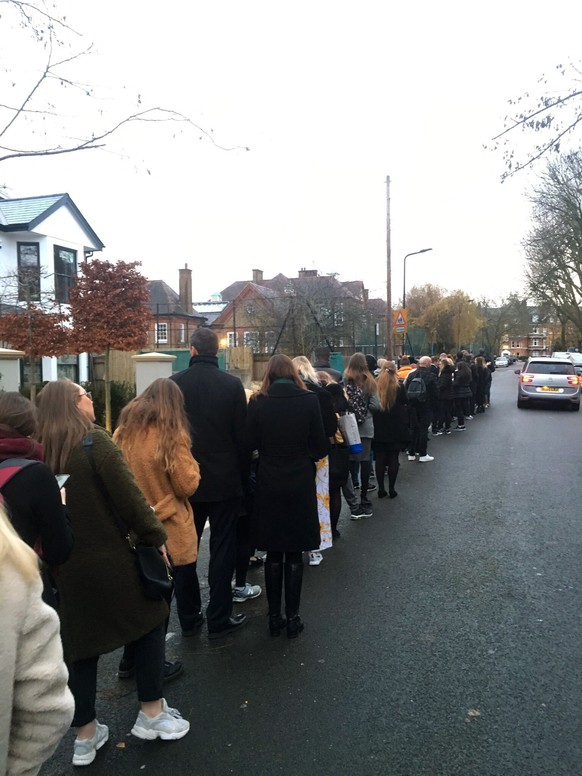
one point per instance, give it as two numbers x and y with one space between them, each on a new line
293 583
274 585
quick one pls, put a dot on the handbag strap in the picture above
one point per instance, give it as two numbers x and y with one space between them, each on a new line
121 524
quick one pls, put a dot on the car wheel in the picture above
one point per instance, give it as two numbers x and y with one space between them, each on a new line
575 407
521 404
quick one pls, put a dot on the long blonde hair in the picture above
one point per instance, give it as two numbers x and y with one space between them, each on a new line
62 426
14 550
388 386
161 405
305 369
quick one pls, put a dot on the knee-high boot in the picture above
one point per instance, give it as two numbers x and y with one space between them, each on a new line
274 585
293 583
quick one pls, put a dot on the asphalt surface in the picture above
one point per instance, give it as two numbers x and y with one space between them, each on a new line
442 636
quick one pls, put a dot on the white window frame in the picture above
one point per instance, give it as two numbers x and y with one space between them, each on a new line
161 333
230 338
182 332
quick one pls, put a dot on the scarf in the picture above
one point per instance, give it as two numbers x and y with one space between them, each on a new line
14 445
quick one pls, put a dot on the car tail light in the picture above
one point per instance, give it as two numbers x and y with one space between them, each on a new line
573 379
527 377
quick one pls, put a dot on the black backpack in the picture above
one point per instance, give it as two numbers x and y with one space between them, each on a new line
416 390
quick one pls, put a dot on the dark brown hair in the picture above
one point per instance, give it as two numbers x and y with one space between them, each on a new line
18 413
280 367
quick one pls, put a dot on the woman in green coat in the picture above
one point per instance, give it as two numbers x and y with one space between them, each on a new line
102 604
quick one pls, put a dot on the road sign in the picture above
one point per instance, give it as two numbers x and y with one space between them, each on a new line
400 321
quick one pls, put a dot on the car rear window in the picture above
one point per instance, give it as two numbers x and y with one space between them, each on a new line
543 368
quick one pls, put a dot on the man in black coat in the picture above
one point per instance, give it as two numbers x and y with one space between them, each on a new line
321 364
421 412
216 407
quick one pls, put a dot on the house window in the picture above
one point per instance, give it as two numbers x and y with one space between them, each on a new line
182 333
536 343
28 272
231 340
161 333
65 269
270 340
513 345
251 340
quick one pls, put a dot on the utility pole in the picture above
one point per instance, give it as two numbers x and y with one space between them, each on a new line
389 353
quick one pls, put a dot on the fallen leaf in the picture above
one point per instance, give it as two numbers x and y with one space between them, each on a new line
120 745
474 713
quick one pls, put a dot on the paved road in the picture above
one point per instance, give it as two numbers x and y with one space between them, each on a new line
442 636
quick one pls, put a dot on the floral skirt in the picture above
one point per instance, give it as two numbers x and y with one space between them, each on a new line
322 488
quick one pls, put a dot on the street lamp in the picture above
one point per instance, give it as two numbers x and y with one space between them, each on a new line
414 253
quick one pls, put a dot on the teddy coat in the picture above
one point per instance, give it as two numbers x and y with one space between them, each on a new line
37 706
286 428
102 605
168 492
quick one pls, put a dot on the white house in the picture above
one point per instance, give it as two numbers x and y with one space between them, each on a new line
42 241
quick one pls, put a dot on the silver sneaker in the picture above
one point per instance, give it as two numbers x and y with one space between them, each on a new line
85 749
242 594
168 725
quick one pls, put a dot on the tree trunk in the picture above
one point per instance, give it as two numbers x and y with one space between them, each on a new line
107 391
32 377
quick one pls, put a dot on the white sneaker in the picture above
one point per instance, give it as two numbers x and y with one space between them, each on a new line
426 458
168 725
85 749
412 458
315 558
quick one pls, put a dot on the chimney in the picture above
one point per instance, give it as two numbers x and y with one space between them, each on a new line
258 276
307 273
185 294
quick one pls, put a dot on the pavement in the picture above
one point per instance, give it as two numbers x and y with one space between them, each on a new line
442 636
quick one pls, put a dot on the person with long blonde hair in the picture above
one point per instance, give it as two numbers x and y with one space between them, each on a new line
284 424
103 605
37 705
390 428
362 394
153 434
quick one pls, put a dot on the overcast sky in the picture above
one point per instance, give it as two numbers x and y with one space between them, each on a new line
330 97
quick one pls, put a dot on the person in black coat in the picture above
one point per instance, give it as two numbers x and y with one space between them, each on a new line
284 424
391 433
421 413
216 406
446 395
30 491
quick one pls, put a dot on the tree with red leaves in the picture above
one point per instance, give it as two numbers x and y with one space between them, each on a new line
109 311
37 333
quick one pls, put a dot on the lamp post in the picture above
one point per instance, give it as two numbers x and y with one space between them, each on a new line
414 253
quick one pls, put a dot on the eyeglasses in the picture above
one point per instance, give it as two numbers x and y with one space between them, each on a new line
87 394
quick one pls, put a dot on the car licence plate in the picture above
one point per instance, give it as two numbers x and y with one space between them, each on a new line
548 389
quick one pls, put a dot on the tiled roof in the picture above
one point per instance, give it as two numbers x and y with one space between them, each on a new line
165 301
23 215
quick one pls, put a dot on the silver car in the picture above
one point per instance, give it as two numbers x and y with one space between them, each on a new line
549 379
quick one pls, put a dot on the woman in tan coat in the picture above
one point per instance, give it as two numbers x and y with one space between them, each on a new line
154 437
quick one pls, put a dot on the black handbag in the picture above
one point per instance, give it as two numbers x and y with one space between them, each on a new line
155 576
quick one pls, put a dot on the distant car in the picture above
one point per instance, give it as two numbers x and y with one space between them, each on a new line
501 361
549 379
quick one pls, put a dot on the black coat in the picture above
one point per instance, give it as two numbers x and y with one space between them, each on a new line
328 415
445 382
286 428
391 426
216 406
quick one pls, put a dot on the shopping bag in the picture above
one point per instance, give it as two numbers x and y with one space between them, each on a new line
350 432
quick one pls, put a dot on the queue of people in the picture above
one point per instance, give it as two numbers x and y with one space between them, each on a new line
266 470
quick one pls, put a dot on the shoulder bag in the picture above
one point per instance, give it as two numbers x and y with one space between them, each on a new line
155 576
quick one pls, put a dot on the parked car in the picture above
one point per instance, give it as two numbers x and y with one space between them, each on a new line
549 379
501 361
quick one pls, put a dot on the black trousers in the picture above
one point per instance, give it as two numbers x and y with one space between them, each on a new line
223 516
149 651
420 418
187 593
